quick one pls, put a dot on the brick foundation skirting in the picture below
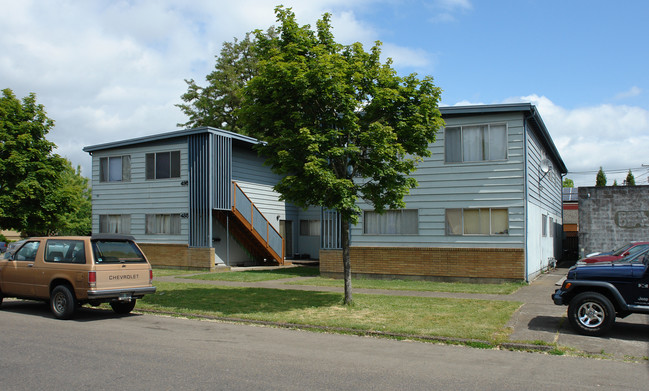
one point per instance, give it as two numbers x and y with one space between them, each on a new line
442 264
179 256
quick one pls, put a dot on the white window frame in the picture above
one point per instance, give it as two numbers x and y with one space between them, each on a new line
391 222
115 223
486 149
151 163
162 224
109 172
458 227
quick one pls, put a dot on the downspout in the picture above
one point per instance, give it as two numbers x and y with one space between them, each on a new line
525 200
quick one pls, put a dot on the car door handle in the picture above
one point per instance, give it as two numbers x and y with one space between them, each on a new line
30 265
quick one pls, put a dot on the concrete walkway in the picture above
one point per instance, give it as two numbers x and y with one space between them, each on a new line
538 320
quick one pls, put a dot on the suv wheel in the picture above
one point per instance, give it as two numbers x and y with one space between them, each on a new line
591 313
122 307
62 302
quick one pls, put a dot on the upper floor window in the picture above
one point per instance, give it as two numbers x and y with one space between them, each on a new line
475 143
115 169
392 222
163 165
477 221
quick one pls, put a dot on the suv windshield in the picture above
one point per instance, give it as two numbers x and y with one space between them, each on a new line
116 251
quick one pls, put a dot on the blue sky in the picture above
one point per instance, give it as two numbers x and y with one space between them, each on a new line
110 70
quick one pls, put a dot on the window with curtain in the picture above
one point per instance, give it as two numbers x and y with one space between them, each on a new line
475 143
163 224
115 169
162 165
310 228
477 221
391 222
115 224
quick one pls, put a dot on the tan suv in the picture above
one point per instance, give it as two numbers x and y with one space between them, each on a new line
74 270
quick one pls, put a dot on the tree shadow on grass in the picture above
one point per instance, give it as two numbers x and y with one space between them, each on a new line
226 301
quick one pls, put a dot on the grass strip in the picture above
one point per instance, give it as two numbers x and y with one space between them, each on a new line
442 317
258 275
424 286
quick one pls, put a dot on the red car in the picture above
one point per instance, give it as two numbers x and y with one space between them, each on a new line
621 252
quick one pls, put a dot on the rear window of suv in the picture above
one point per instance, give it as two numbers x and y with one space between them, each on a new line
116 251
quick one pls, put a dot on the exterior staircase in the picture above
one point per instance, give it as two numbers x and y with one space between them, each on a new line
250 228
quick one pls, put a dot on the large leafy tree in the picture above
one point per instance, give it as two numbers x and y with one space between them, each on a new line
37 186
337 124
217 104
567 182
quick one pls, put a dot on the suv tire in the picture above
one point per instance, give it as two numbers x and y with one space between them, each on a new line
591 313
122 307
62 302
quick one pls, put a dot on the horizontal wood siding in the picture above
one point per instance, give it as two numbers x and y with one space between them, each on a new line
140 197
442 185
544 189
257 181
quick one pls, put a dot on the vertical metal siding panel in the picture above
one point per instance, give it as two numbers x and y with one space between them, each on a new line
222 190
200 211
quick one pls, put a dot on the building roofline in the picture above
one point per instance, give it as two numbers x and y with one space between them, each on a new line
170 135
531 114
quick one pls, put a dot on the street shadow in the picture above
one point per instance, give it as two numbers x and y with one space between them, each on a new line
634 328
42 309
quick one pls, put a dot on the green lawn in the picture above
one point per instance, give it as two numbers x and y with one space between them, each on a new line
161 272
259 275
453 318
426 286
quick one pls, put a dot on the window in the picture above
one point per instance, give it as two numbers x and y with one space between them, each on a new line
544 225
65 251
116 251
166 224
163 165
115 224
477 221
309 227
551 227
392 222
27 252
475 143
115 169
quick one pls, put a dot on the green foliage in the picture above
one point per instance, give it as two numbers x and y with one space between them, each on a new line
36 185
600 180
615 183
567 182
218 103
630 179
330 114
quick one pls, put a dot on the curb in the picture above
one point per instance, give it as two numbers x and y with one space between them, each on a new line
342 330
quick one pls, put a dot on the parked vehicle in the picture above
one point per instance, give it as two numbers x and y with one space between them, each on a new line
3 247
12 247
627 249
598 293
75 270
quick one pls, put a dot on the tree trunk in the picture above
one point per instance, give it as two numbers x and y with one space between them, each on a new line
347 268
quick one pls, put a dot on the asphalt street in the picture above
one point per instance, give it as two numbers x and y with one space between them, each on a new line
102 351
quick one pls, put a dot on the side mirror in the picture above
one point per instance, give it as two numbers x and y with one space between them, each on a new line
626 254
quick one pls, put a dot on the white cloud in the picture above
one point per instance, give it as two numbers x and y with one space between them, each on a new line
611 136
445 10
630 93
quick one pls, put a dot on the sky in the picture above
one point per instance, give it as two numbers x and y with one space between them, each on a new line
113 70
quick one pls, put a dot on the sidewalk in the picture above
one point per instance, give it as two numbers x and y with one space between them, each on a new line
539 319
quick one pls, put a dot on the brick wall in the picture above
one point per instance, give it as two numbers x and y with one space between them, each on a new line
444 264
179 256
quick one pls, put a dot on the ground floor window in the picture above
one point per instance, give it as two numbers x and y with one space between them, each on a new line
391 222
310 228
477 221
165 224
115 224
